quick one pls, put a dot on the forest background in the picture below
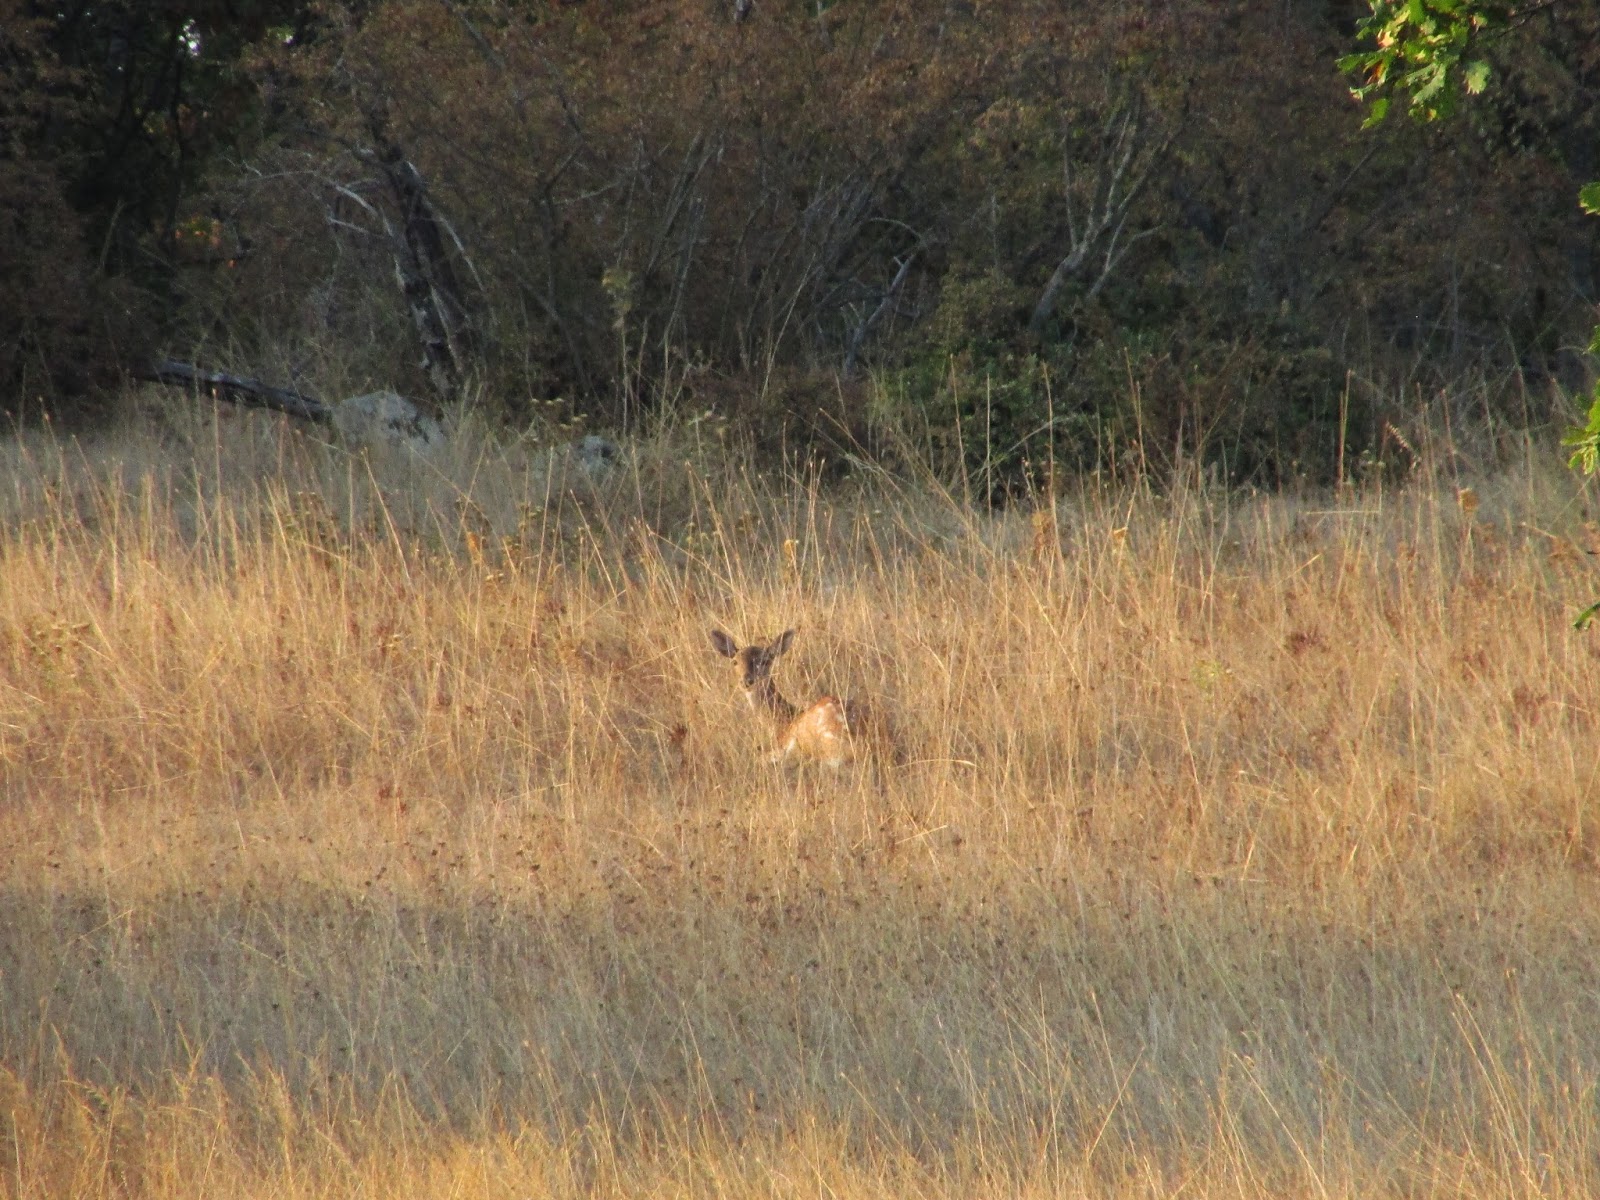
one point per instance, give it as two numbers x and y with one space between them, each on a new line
1020 232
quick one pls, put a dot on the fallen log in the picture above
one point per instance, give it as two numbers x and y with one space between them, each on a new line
360 420
251 392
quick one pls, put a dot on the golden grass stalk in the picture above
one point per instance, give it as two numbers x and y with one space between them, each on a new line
389 827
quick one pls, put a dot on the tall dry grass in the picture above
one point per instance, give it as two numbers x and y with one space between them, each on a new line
380 828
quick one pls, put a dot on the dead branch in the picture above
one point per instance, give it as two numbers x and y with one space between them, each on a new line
1128 157
249 392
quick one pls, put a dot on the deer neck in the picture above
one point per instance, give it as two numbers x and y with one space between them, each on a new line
765 698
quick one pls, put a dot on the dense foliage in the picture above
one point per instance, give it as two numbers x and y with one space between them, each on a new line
1018 229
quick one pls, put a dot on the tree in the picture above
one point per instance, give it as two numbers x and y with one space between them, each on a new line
1433 50
111 115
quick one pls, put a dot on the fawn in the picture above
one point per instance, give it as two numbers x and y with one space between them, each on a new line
830 730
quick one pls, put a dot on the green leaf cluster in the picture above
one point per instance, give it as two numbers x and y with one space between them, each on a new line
1584 441
1424 48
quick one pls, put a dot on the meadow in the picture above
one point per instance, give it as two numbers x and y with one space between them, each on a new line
385 827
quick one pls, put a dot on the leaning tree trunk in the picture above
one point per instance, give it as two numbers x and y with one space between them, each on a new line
424 267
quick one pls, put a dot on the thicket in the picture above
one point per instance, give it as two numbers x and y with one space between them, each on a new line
1020 232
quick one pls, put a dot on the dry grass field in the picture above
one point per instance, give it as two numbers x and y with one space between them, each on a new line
378 828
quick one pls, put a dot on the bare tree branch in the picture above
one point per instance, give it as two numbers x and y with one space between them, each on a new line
859 337
1128 158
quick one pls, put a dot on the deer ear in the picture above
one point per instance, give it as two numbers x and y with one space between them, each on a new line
723 644
780 644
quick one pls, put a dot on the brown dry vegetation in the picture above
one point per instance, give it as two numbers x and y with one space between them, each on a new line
382 828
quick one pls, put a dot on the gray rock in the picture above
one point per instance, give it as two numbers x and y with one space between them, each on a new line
386 418
595 454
